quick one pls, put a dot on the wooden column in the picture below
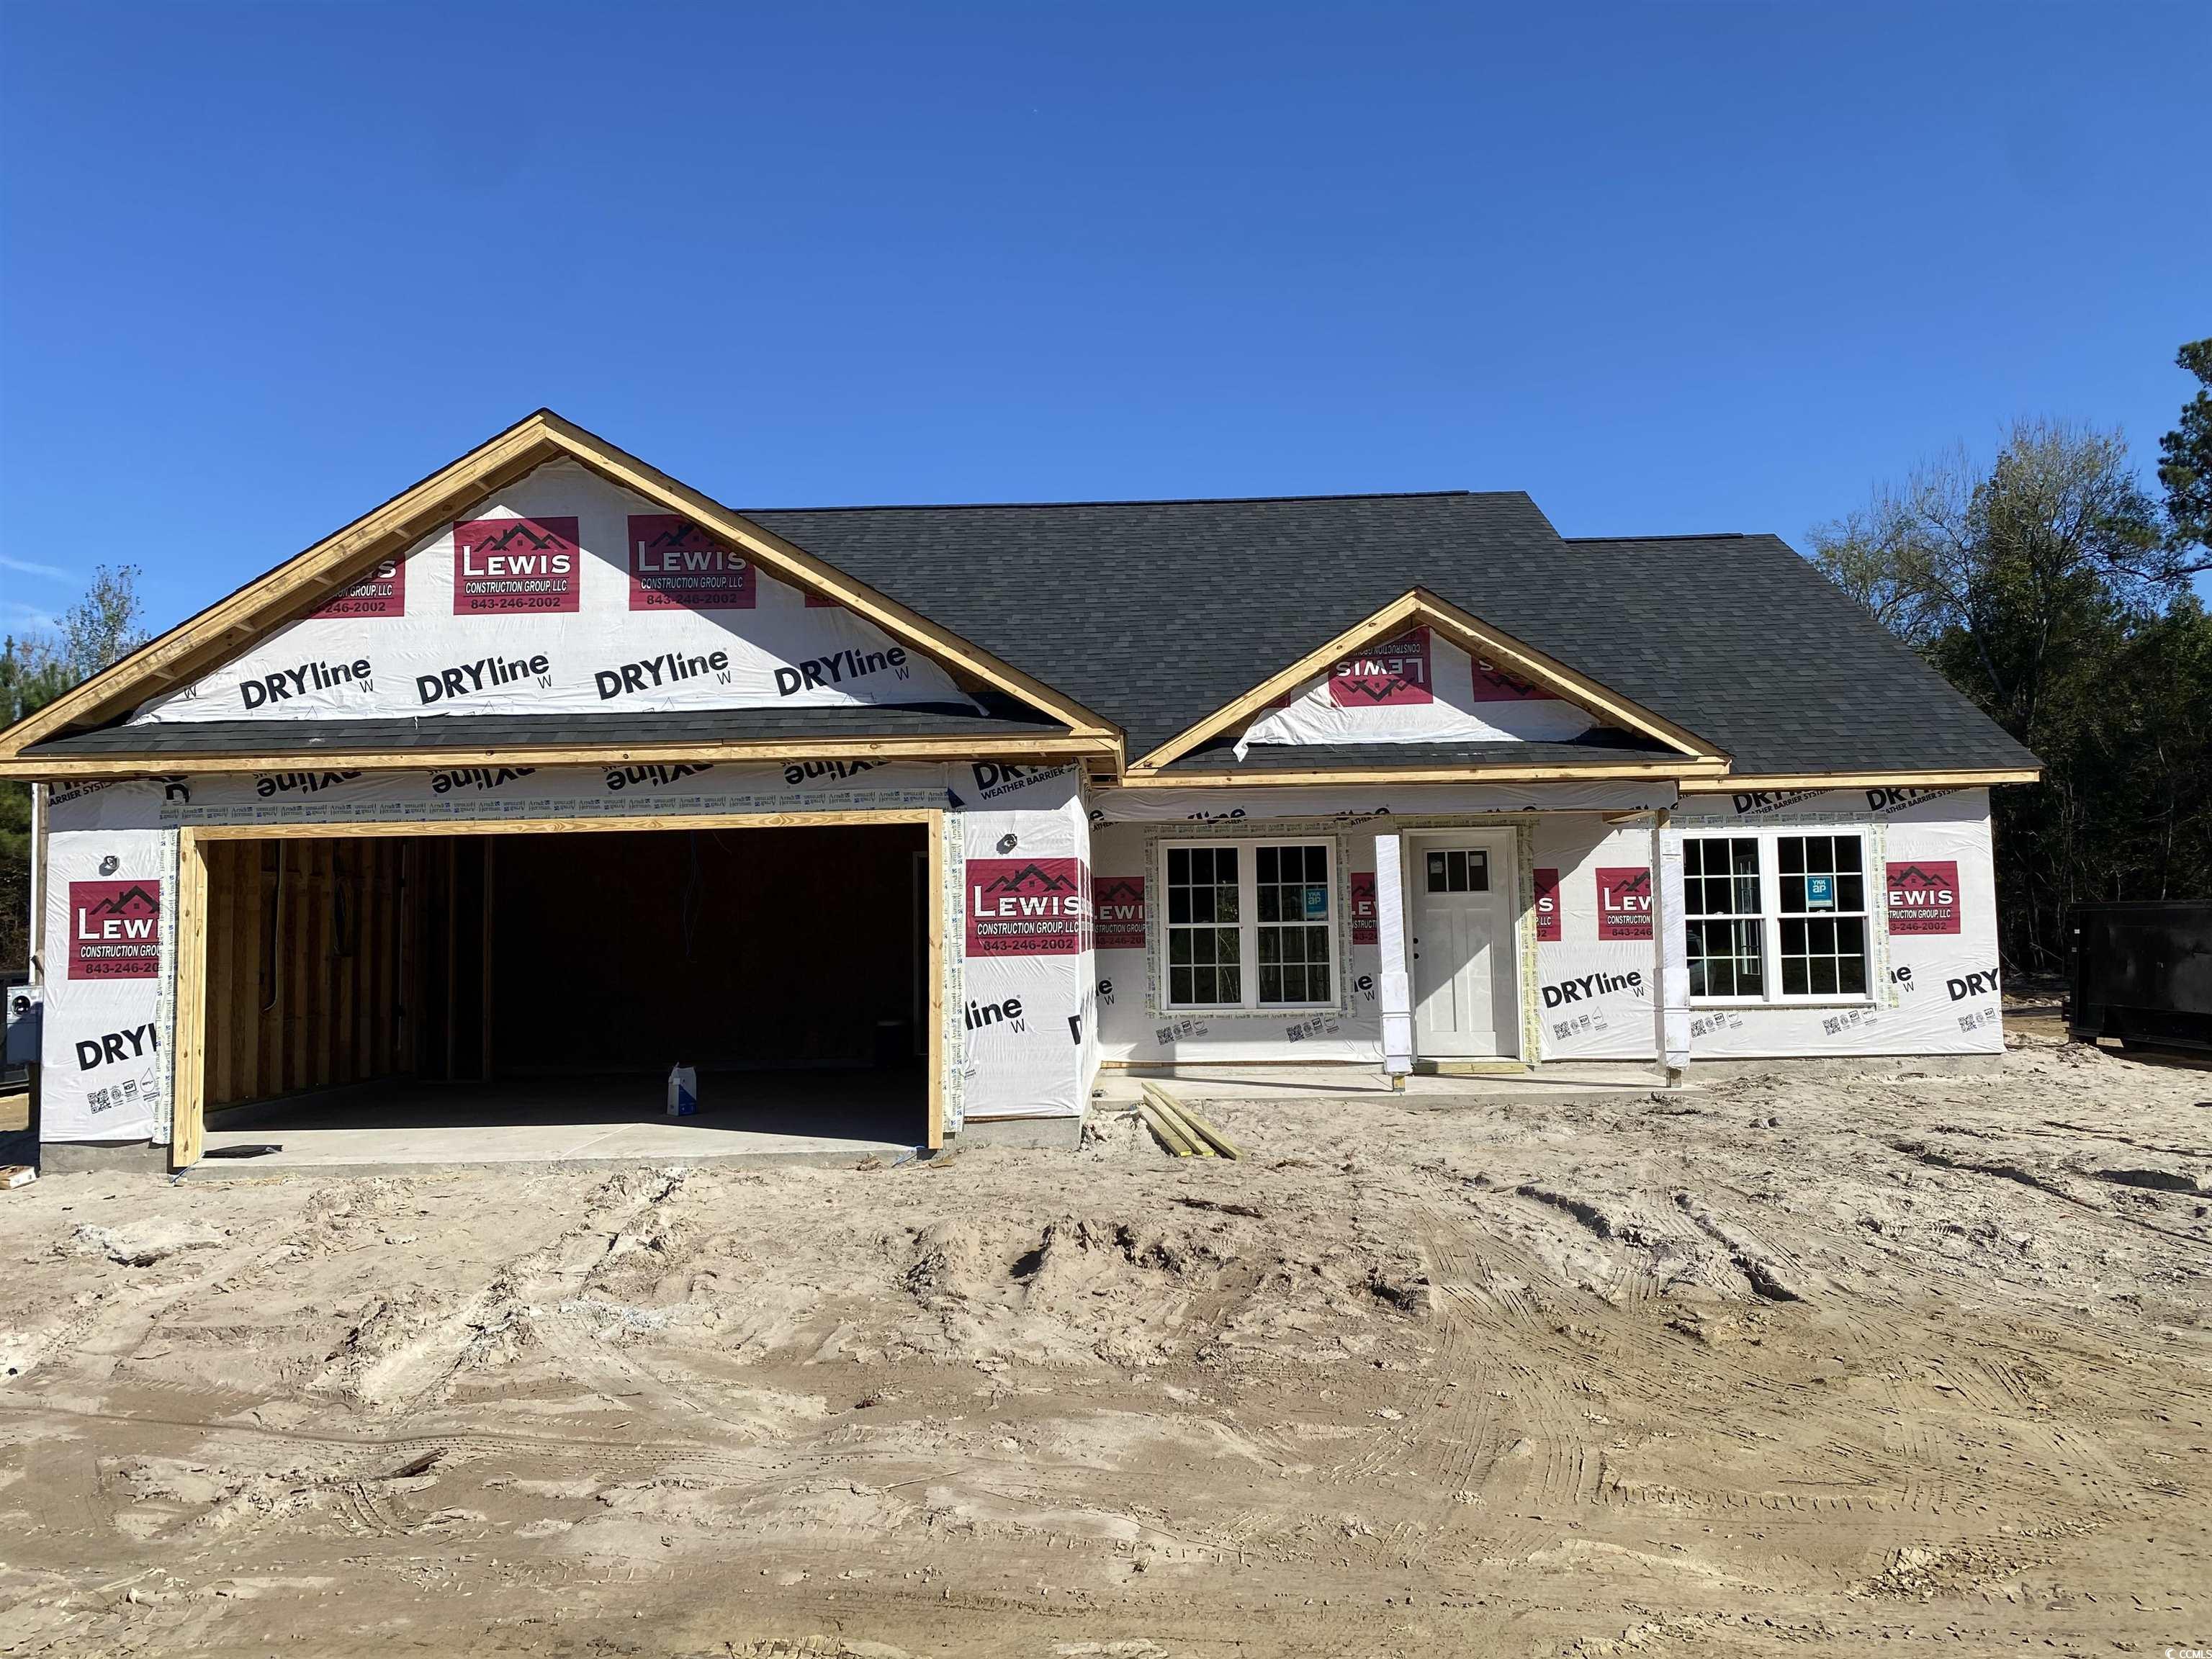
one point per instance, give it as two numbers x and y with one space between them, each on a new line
188 1041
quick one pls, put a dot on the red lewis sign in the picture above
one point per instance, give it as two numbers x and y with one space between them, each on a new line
1120 901
1363 907
1493 684
381 592
1923 896
509 566
1624 904
1384 675
115 930
674 565
1548 905
1027 907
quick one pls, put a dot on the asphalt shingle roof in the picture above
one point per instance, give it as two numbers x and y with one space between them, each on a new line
1155 614
503 731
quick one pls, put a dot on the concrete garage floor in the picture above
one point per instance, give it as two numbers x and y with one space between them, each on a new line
401 1124
1327 1082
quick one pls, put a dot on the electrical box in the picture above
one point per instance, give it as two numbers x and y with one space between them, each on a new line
27 1007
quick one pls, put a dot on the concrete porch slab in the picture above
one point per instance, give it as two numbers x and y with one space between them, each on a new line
1121 1087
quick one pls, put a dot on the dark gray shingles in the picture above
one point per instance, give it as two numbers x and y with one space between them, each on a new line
1154 614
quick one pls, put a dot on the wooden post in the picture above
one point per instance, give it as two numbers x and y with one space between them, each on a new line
188 1039
491 846
453 948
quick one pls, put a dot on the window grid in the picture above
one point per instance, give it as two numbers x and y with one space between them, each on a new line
1458 870
1809 909
1293 907
1250 924
1720 892
1205 939
1822 887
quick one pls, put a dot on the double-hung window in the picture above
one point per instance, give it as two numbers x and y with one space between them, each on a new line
1776 918
1722 913
1250 924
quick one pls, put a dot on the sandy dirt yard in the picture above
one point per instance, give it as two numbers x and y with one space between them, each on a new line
1840 1359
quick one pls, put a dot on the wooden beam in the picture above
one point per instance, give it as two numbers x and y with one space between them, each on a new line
484 1062
789 559
1656 771
152 764
1420 606
452 848
418 827
1932 780
295 877
447 494
188 1039
221 860
269 599
322 954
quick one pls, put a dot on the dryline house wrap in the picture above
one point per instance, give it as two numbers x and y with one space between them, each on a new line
1145 834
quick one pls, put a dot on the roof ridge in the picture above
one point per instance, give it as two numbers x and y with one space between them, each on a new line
1689 536
1142 501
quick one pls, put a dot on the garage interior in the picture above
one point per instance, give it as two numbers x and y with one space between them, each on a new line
462 998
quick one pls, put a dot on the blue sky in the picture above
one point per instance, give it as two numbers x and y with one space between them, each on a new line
1668 268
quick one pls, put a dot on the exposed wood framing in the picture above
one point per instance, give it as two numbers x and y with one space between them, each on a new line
330 1018
188 1057
1934 780
1661 771
303 986
448 493
170 763
1419 605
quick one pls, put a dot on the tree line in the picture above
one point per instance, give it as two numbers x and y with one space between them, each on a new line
2055 588
2048 582
36 667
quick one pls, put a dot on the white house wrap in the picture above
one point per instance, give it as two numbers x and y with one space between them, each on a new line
456 796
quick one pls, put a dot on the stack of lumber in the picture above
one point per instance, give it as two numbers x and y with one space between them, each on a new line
1181 1130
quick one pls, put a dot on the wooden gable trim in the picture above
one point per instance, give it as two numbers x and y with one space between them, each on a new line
1961 779
1418 605
194 644
1661 771
219 631
171 764
795 562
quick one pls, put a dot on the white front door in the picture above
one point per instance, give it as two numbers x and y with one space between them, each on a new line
1461 946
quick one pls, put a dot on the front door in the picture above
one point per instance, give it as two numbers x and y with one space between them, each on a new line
1461 946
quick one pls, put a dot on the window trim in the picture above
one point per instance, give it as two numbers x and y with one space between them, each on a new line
1771 915
1249 924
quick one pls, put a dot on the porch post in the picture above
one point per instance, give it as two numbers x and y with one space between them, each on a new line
1670 960
1397 990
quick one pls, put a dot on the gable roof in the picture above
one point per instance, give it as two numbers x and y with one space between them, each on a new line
303 580
1130 623
1157 614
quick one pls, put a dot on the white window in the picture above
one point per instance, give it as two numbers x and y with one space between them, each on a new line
1776 918
1250 924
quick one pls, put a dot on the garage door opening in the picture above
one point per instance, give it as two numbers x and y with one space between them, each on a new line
377 998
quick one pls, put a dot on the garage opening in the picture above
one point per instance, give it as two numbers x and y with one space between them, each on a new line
465 998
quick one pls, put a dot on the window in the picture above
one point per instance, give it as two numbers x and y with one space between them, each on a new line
1458 870
1205 942
1721 907
1250 924
1824 945
1774 918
